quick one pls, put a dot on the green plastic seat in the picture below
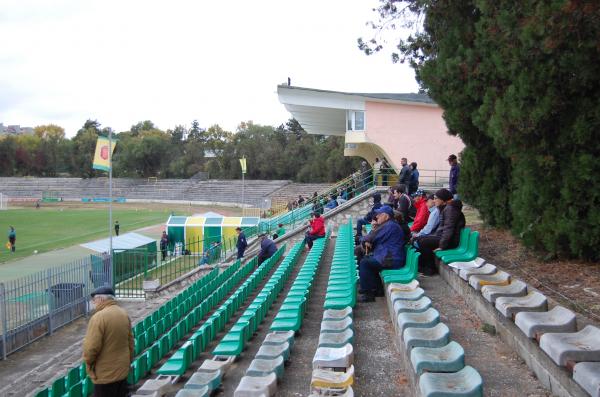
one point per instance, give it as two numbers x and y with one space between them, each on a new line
471 253
462 244
43 393
58 387
179 362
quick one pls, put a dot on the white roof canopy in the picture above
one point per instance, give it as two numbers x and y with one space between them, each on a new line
123 242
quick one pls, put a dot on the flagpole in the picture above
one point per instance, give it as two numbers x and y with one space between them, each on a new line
110 244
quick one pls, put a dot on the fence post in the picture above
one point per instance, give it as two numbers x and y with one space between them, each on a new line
50 305
4 319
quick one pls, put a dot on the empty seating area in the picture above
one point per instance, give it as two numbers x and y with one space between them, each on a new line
553 328
225 191
437 361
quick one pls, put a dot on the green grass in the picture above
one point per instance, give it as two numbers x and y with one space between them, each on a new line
50 228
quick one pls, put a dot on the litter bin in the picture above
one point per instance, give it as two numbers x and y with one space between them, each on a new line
66 293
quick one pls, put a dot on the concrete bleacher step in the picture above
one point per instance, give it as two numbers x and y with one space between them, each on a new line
448 358
336 339
324 381
270 352
334 357
413 295
493 292
349 392
337 314
410 306
436 336
257 386
572 347
426 319
263 367
414 284
336 325
500 278
532 302
475 263
488 268
587 375
465 383
534 324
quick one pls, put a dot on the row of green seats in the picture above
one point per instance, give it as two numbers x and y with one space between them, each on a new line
341 287
143 364
181 360
467 250
232 344
75 384
291 312
408 273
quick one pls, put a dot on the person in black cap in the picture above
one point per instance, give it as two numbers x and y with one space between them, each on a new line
447 234
365 220
387 247
108 345
241 243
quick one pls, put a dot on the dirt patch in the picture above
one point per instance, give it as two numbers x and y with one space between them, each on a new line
574 284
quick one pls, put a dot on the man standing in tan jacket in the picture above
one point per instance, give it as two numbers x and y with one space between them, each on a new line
108 345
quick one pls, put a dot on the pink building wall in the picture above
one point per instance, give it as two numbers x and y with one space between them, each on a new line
416 132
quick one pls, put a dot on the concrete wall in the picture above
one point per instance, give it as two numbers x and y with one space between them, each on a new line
416 132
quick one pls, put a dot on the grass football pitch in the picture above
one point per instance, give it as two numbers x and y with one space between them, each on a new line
61 225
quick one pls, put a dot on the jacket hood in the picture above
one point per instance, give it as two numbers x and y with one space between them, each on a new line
457 204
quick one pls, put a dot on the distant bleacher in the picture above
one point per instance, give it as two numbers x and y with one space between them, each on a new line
215 190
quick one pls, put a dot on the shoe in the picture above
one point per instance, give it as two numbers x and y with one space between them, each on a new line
379 293
365 298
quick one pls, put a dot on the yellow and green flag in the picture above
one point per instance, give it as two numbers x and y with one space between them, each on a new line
243 164
101 156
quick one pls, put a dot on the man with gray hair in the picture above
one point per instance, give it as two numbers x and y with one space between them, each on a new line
108 345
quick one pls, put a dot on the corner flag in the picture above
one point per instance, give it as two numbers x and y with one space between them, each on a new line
101 156
243 164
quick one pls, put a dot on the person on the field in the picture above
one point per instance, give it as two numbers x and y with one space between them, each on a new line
108 345
12 238
241 243
267 248
117 227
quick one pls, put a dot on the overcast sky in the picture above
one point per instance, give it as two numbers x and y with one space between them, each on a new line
64 61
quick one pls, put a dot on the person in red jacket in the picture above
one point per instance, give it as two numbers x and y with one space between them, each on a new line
317 229
422 211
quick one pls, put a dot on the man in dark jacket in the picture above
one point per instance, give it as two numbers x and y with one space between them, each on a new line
387 246
454 173
365 220
241 243
164 243
404 177
267 248
402 203
447 234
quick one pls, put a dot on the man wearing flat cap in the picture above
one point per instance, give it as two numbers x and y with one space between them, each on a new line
108 345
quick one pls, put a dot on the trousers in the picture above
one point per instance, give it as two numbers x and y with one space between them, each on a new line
369 269
115 389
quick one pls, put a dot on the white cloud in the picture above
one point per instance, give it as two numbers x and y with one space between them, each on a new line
171 62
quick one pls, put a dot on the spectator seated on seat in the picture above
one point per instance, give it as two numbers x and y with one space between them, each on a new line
267 248
361 222
433 220
384 251
447 234
279 232
420 203
316 231
399 219
205 259
331 204
402 202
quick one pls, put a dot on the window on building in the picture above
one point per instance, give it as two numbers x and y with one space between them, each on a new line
355 120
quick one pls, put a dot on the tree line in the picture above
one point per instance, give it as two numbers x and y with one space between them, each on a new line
284 152
519 83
